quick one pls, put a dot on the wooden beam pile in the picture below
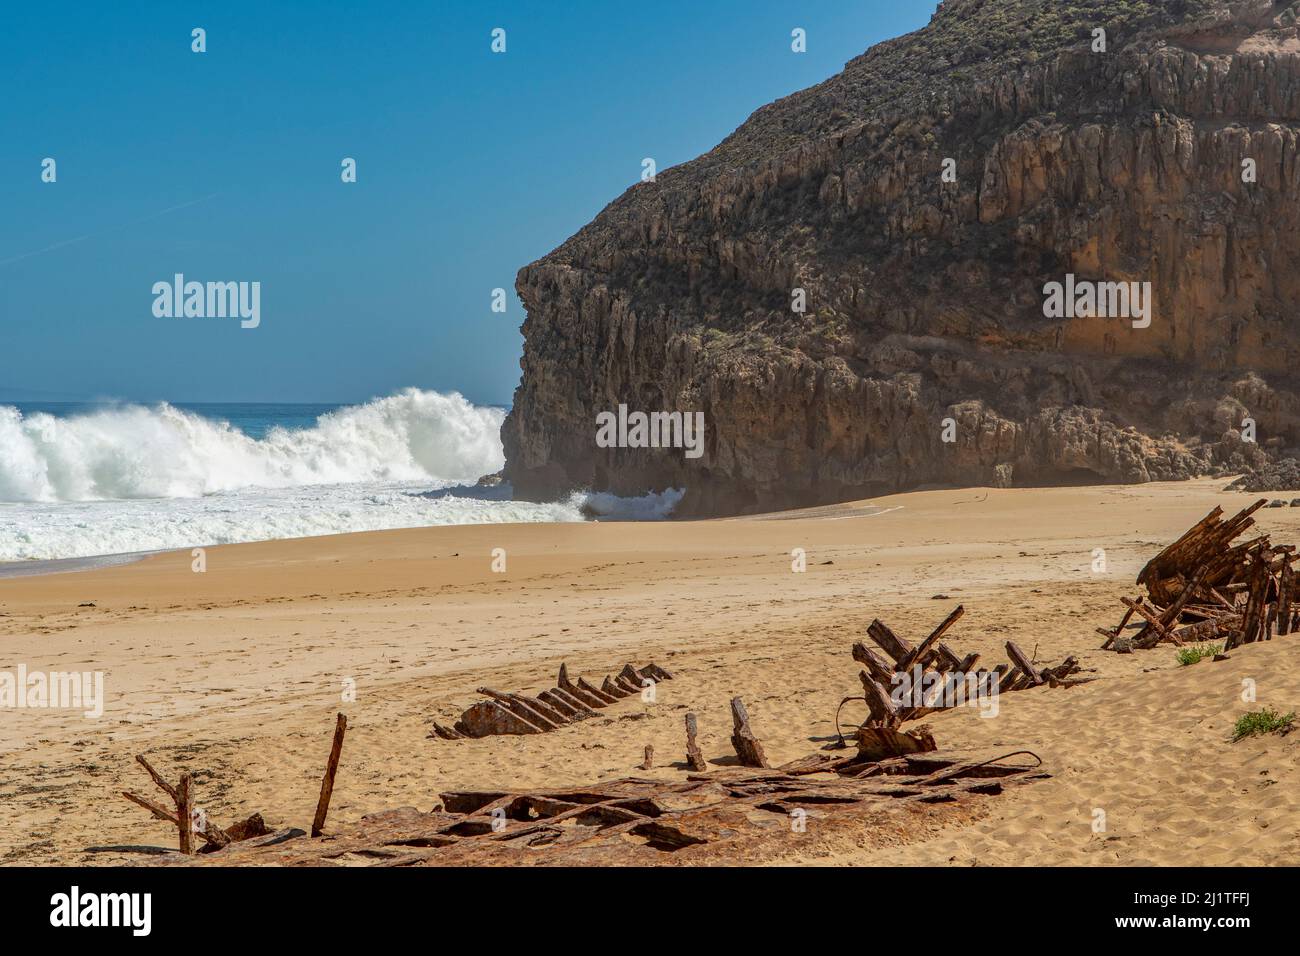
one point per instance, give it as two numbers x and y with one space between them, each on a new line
568 701
933 656
1204 587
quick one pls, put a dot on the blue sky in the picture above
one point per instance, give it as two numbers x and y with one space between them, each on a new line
225 166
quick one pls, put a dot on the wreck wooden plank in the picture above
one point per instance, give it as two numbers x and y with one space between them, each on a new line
921 653
874 663
1286 589
883 711
655 672
1252 620
152 807
446 733
632 677
560 699
1022 662
630 689
331 770
944 659
889 642
211 833
537 705
487 718
562 681
748 748
1111 635
1157 630
694 758
614 690
1207 630
163 785
519 708
185 814
879 743
593 691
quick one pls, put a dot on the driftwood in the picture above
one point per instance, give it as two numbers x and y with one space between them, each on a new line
748 748
568 701
327 782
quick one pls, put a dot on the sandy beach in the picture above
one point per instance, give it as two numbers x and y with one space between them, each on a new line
236 673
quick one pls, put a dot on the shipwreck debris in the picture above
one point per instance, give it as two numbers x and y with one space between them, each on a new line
748 748
634 820
327 782
182 796
694 758
568 701
1204 587
935 665
880 743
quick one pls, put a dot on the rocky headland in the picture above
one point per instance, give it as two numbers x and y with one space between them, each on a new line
921 200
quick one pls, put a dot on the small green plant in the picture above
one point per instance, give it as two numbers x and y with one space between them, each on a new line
1258 722
1198 652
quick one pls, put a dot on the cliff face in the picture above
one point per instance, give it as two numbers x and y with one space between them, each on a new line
925 297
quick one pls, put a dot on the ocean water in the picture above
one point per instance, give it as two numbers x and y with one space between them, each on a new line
79 480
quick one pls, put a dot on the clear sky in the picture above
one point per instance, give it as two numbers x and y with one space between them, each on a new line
225 166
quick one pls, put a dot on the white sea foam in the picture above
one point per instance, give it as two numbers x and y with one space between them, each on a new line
132 478
133 451
652 507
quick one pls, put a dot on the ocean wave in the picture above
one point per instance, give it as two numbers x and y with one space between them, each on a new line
650 507
131 478
133 451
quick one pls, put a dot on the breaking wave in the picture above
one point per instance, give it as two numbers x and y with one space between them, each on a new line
134 451
132 478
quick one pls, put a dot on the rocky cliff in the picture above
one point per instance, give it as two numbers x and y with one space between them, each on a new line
924 316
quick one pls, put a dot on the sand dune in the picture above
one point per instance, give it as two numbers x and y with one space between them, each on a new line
235 674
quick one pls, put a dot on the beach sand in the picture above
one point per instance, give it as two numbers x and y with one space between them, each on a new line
236 673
